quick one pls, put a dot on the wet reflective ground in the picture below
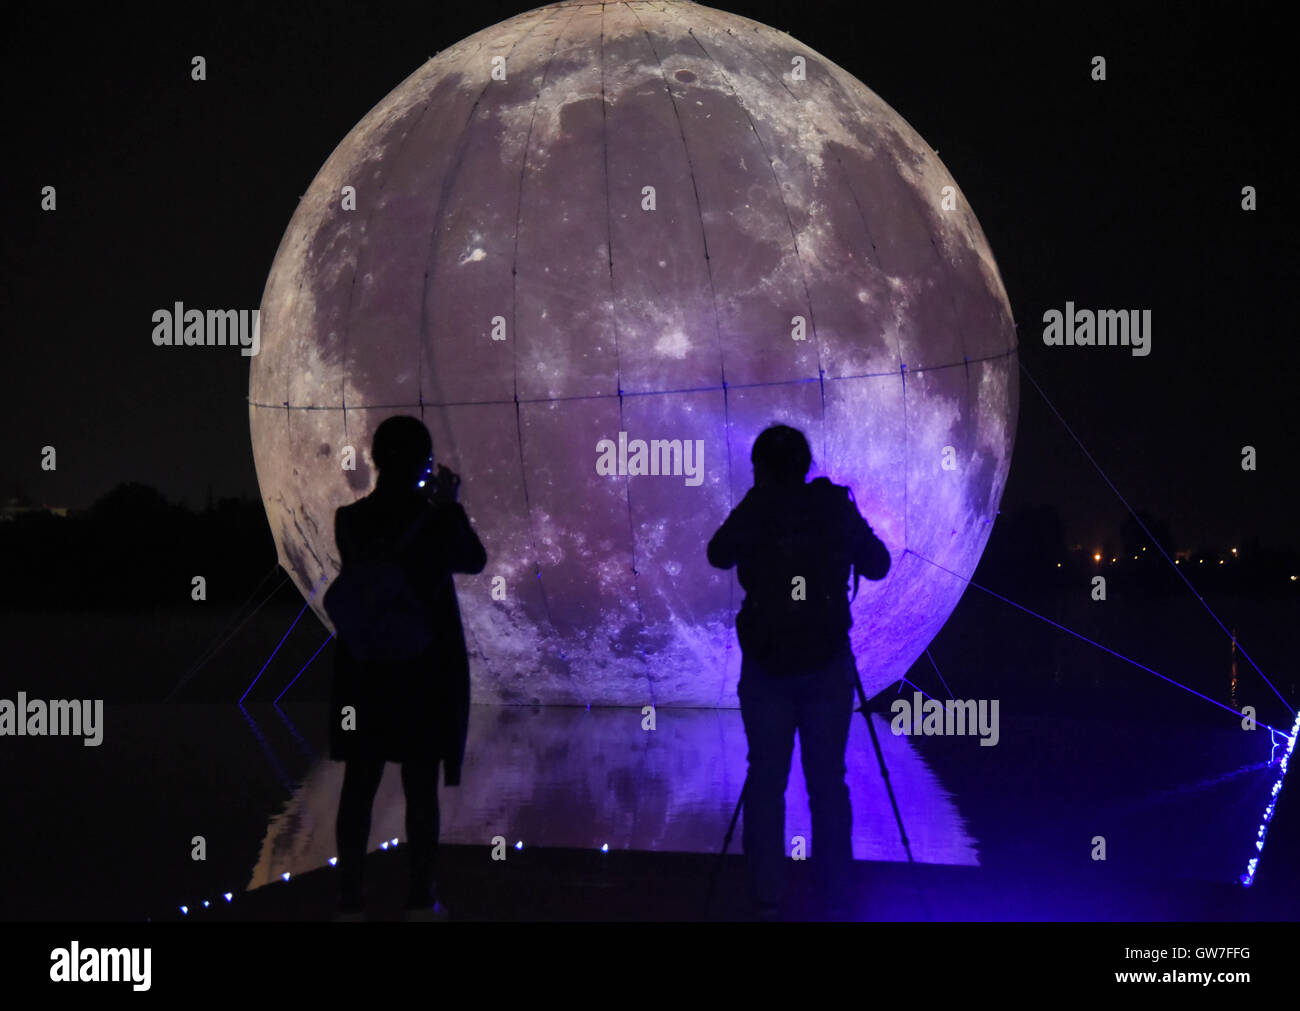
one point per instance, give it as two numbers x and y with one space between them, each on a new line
110 833
1089 749
584 779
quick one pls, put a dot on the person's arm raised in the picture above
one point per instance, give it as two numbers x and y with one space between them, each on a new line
725 545
870 556
465 551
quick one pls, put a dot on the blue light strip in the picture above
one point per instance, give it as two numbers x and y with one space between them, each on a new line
937 671
281 642
1252 865
286 781
333 862
304 667
1093 642
904 681
1135 516
303 746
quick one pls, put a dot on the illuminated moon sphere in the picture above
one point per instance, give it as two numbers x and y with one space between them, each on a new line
653 219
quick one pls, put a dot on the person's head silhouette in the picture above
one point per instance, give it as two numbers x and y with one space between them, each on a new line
403 451
780 456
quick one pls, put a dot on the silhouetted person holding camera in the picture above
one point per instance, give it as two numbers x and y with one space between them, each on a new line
793 544
401 684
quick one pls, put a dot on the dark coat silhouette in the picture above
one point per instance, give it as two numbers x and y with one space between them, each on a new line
810 529
415 710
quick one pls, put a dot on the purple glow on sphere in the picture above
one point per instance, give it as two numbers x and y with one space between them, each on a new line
807 259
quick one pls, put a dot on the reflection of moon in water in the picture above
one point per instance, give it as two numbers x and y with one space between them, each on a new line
567 777
519 209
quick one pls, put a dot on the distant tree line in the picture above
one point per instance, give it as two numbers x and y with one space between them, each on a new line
133 550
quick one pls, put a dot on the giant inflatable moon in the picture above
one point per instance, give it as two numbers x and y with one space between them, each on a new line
646 223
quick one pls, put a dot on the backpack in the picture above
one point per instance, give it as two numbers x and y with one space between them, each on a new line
376 611
789 637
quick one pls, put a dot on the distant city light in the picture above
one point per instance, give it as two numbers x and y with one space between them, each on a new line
284 876
1097 557
1234 551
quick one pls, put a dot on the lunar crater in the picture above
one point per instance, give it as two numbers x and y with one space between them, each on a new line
774 198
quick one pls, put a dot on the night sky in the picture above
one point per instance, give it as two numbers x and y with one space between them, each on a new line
1123 194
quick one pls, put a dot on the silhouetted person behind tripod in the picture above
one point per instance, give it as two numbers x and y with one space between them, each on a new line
793 543
401 685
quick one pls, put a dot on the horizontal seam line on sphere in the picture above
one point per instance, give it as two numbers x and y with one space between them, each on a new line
625 393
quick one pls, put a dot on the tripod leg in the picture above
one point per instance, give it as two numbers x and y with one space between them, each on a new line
884 774
889 788
726 844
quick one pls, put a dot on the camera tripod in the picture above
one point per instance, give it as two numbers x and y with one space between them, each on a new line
865 710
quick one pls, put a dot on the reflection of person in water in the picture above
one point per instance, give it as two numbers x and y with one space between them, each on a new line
793 544
414 709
